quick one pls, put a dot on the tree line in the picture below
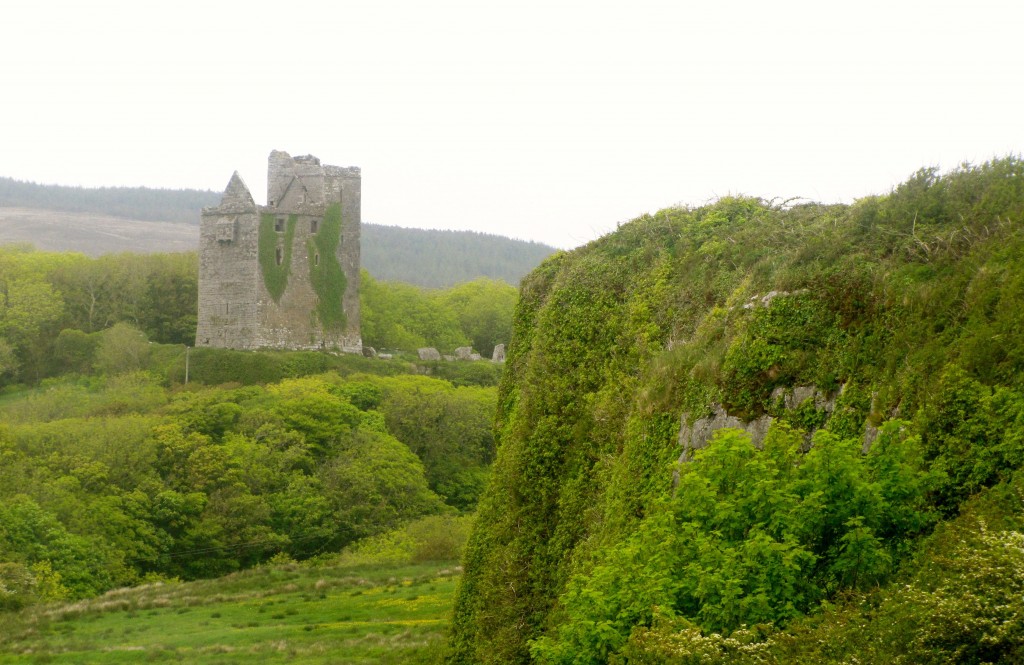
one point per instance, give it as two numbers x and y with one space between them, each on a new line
45 293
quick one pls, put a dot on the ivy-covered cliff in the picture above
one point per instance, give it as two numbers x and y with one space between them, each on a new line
765 433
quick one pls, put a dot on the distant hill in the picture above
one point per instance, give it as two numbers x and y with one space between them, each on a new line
442 258
143 203
139 219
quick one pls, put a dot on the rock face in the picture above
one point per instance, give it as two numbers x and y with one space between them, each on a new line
797 395
499 354
429 353
265 280
696 436
464 353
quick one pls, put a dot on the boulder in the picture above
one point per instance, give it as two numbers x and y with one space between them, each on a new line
429 353
464 353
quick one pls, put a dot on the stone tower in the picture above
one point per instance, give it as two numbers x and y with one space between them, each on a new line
283 276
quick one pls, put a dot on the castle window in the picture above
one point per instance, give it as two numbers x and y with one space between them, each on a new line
316 259
313 225
279 225
280 256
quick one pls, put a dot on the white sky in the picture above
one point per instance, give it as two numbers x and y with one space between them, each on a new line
542 120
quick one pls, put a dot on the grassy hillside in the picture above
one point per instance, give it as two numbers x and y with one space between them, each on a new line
272 614
138 219
869 508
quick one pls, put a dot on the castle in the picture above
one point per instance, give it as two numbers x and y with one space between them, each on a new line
284 275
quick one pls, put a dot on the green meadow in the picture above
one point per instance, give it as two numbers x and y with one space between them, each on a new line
290 613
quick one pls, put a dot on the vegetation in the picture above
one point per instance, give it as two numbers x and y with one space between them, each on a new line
328 613
325 273
406 317
438 259
275 273
879 523
53 307
115 480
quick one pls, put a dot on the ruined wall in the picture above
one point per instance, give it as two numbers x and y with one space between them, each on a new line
293 265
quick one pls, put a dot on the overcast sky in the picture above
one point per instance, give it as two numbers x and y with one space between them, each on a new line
548 121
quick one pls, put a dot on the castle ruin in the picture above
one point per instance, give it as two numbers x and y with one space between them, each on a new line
284 275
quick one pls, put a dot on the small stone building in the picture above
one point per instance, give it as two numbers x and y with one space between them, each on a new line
284 275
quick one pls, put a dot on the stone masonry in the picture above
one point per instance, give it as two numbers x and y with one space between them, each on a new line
260 268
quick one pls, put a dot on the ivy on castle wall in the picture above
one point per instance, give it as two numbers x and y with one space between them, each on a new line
327 275
275 277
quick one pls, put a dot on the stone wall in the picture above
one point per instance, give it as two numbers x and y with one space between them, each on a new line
236 307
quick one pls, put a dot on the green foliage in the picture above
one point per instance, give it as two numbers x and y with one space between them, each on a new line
327 276
484 310
449 429
751 537
900 306
275 275
122 348
433 538
405 317
113 480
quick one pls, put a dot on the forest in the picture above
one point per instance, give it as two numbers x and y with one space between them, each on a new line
877 518
121 466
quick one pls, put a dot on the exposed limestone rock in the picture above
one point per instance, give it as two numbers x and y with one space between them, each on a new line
870 434
429 353
475 356
797 395
696 436
464 353
766 299
385 356
499 354
369 352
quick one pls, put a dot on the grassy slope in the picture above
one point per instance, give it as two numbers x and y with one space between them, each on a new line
908 302
272 614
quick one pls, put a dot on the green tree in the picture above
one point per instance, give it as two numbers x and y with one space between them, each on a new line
122 348
484 310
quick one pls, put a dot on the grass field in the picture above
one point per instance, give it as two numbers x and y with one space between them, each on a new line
272 614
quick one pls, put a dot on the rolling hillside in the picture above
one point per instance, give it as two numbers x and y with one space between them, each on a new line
121 219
